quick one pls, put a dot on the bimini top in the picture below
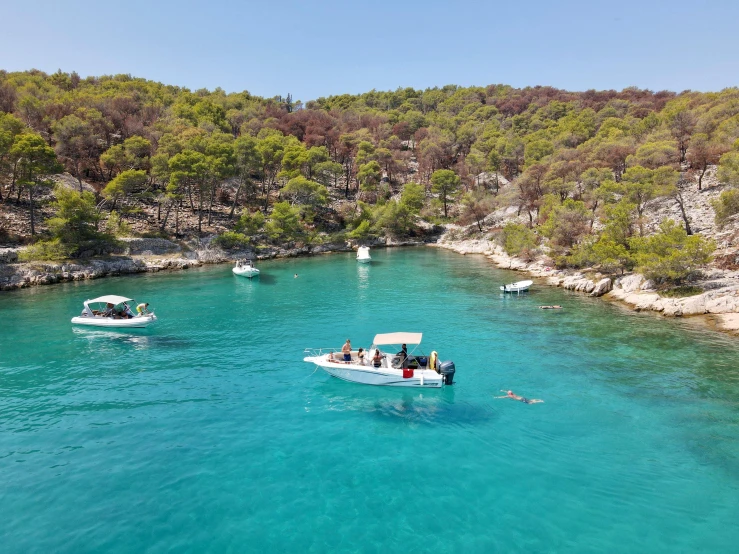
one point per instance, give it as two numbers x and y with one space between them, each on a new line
110 298
397 338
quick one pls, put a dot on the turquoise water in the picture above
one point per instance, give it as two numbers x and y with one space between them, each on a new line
207 433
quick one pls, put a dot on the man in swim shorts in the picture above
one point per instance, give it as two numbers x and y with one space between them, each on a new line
347 350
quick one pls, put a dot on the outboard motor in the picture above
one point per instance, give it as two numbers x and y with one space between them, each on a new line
447 370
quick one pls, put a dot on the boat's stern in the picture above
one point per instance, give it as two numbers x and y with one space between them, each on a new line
447 371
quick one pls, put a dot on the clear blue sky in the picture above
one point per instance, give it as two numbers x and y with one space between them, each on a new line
319 48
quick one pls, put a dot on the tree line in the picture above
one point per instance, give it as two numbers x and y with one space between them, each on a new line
579 167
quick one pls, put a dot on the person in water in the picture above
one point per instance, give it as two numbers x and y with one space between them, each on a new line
347 350
509 394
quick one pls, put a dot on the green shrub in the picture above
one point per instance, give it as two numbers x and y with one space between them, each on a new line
517 238
670 255
250 224
46 250
566 223
116 226
284 223
394 219
361 232
681 292
726 205
609 255
231 240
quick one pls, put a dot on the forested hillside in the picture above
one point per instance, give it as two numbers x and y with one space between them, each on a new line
576 172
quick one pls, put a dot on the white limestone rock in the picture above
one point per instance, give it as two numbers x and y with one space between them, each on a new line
602 287
630 283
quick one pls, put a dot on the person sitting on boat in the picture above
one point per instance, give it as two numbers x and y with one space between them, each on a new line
143 308
509 394
377 358
360 356
109 310
347 350
123 312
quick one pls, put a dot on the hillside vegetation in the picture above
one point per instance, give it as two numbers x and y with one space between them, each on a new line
575 172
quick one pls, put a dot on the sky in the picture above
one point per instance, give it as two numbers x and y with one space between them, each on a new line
320 48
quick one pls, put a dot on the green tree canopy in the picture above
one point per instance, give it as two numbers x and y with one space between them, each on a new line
124 184
35 161
445 183
671 254
284 222
300 190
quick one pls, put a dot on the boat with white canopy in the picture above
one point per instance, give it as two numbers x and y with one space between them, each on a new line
245 268
517 287
363 255
380 367
114 311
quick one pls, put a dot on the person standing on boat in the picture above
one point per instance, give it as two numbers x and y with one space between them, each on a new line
360 356
403 356
377 358
143 308
347 350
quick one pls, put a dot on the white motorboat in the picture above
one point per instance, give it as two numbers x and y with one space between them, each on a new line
517 287
393 370
363 255
245 268
114 311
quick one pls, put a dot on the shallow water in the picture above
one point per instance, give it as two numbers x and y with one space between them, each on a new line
207 432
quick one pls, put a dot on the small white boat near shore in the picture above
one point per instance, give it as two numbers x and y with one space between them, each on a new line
517 287
114 311
363 255
393 370
245 268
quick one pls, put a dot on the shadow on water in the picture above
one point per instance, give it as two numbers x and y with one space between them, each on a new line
134 337
408 406
266 279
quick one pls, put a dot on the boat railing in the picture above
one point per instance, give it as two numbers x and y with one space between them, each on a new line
338 355
314 352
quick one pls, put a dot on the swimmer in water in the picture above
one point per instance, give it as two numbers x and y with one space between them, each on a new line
509 394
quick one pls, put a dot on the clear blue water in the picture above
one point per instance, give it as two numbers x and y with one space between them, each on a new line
207 433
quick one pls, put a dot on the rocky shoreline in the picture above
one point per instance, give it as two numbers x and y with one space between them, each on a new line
151 255
718 305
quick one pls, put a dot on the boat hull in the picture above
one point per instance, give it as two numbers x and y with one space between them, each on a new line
249 272
109 322
383 377
521 286
363 255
